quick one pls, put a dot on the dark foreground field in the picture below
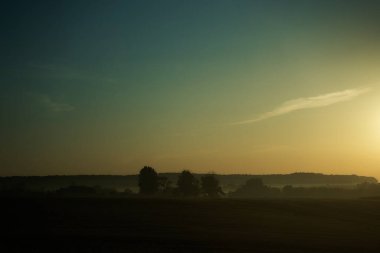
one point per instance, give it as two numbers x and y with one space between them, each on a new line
170 225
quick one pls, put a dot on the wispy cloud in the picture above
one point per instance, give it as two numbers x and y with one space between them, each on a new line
55 106
57 71
308 103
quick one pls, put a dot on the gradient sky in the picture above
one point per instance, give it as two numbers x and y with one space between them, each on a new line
106 87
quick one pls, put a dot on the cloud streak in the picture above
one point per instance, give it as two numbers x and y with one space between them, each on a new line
57 71
308 103
55 106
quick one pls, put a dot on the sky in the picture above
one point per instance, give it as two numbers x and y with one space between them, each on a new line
247 87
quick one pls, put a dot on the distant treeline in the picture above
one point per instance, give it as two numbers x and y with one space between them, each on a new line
228 182
255 188
187 184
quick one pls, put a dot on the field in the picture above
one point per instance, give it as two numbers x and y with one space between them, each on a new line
189 225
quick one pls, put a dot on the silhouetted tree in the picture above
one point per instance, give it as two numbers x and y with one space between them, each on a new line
127 191
165 185
255 183
287 189
188 185
255 187
148 180
210 186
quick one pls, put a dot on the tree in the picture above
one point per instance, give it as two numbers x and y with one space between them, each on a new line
188 185
255 183
165 185
255 187
148 180
210 186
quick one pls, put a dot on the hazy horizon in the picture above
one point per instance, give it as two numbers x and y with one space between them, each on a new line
195 173
232 87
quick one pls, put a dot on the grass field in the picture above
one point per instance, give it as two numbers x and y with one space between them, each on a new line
189 225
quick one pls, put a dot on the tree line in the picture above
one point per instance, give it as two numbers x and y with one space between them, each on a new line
150 183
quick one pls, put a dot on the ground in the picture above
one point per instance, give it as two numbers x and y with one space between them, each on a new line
189 225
